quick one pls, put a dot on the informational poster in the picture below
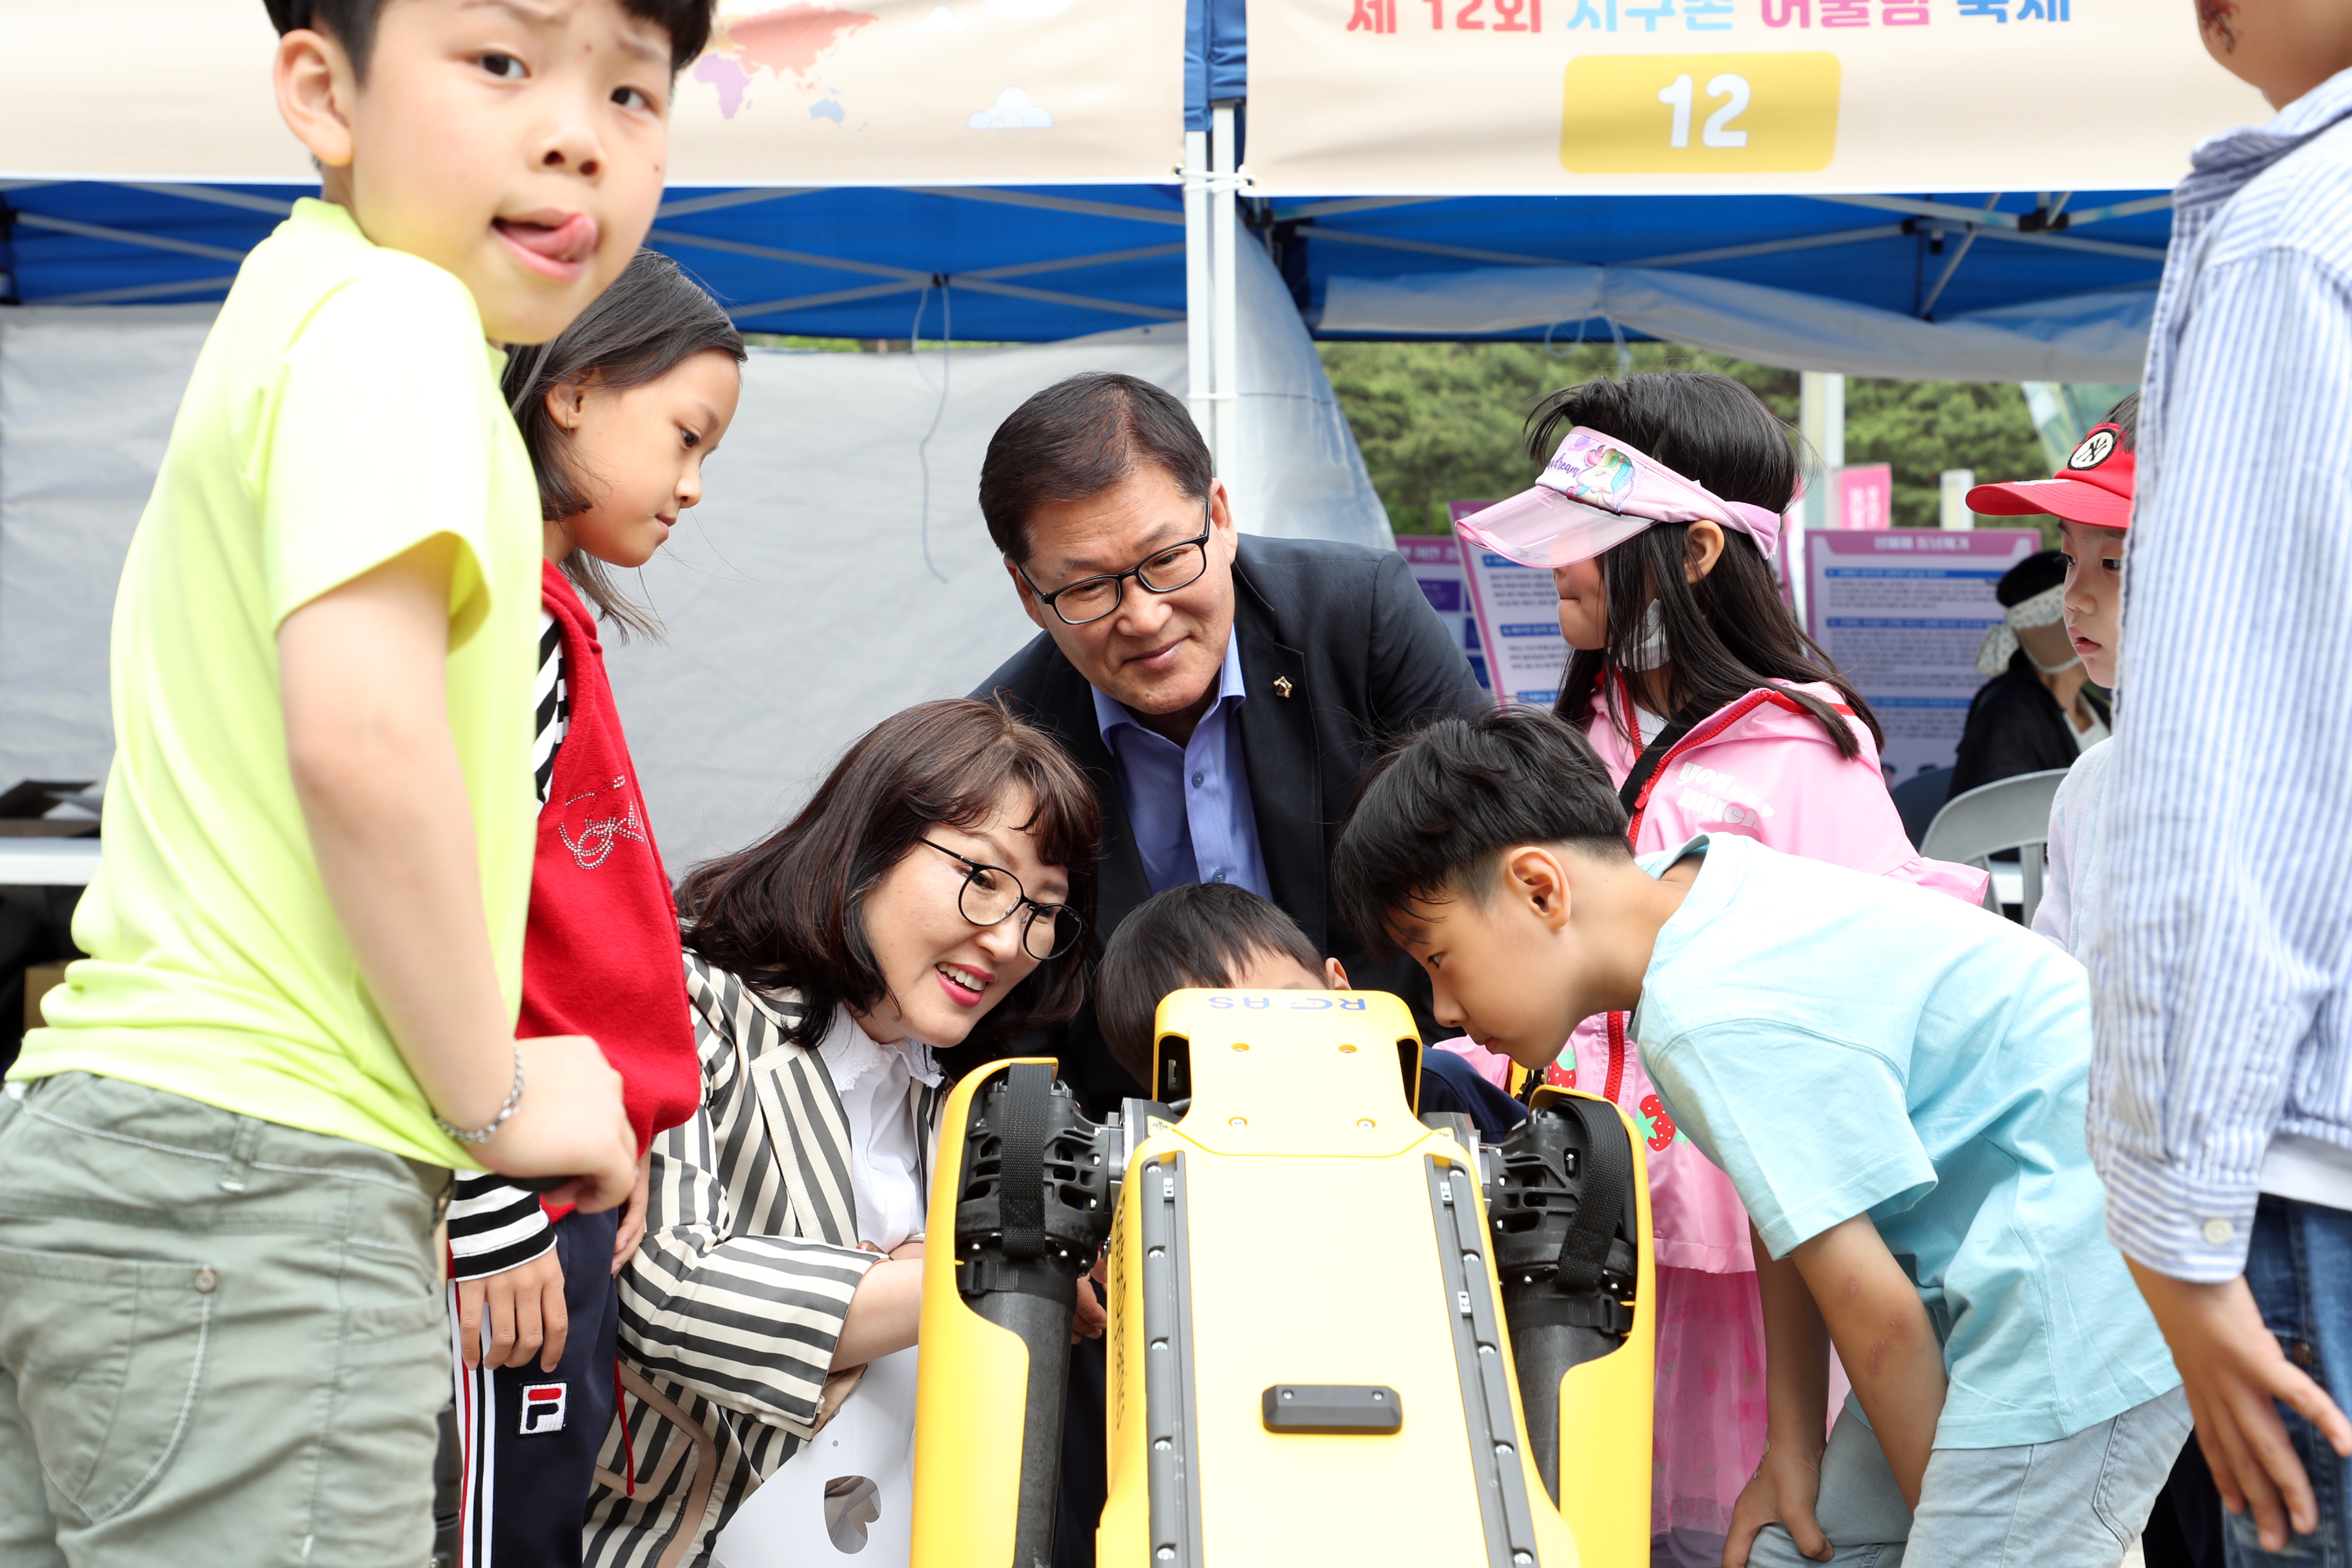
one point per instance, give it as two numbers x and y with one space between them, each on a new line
1518 612
1437 562
1902 610
810 92
1491 97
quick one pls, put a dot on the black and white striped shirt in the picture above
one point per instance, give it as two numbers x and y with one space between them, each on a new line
732 1306
552 699
493 1227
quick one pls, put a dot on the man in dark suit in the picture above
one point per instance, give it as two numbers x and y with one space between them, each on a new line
1224 692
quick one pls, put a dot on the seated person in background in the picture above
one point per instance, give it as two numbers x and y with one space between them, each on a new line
2037 712
1219 937
1895 1084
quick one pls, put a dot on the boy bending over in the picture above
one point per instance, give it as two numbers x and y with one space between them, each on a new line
222 1336
1894 1081
1223 938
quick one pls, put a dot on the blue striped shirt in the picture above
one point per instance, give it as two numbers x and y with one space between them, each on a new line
2222 958
1189 806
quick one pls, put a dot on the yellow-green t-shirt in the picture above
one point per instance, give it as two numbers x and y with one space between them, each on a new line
345 408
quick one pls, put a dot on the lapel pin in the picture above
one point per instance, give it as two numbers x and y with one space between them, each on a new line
1282 686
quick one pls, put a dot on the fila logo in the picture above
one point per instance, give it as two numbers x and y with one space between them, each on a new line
542 1408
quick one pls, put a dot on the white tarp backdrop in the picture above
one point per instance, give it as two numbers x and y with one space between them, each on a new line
87 399
1297 473
814 592
878 92
2087 337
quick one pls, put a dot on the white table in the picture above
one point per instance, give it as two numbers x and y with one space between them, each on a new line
47 862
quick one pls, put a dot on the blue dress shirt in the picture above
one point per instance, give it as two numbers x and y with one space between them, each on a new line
1190 804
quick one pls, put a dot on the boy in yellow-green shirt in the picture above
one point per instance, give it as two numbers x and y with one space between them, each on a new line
222 1335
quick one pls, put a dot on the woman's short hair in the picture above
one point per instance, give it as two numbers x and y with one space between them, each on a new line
789 910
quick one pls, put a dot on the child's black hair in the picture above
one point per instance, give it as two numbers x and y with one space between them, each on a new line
651 321
2125 417
352 23
1203 933
1729 632
1432 819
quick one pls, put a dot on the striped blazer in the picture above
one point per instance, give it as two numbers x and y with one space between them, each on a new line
731 1308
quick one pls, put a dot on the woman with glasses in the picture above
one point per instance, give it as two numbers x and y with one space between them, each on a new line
930 894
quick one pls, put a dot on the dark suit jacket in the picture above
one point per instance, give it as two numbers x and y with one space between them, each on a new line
1367 661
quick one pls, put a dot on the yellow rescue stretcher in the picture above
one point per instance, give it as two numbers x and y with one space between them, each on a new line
1339 1333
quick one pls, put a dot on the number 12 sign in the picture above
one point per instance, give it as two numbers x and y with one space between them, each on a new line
1696 114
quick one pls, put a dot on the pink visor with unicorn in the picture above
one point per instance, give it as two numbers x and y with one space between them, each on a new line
1598 492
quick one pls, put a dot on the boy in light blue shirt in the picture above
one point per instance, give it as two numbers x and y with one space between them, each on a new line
1895 1084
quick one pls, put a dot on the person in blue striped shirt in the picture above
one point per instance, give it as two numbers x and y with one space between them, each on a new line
2221 953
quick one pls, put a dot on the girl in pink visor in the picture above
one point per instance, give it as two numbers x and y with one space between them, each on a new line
1658 515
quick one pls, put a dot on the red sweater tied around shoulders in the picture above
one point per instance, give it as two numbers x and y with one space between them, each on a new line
600 954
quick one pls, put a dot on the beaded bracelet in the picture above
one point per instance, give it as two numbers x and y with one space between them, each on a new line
489 1129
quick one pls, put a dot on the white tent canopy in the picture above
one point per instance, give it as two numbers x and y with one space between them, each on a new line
2088 337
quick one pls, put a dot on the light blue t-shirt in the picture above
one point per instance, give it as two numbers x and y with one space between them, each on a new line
1841 1043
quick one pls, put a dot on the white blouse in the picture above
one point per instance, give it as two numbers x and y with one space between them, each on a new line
877 1084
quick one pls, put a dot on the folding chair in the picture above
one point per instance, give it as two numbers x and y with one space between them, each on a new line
2008 814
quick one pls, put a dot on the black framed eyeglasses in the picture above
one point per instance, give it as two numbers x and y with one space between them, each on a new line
990 895
1091 599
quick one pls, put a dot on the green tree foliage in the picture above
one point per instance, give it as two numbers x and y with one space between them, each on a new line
1439 422
1922 428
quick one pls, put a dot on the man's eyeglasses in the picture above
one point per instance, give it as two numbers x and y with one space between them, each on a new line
992 895
1092 599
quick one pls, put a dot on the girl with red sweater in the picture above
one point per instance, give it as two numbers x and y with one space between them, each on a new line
619 413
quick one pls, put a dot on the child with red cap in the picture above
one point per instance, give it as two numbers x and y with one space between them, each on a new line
2090 498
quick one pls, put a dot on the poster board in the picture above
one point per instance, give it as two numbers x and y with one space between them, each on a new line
810 92
1491 97
1902 610
1517 614
1436 565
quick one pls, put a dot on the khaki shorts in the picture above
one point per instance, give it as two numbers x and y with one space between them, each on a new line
222 1342
2078 1502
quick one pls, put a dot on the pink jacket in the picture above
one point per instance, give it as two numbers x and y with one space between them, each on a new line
1763 768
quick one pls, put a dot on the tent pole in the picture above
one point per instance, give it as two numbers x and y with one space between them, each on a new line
1820 402
1198 305
1225 405
1820 419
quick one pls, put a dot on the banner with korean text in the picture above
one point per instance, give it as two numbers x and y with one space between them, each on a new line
813 93
1464 96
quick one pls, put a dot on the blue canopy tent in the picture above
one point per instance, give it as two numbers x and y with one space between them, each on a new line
1025 265
1037 263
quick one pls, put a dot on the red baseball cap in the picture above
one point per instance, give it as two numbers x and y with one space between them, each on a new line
2094 487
